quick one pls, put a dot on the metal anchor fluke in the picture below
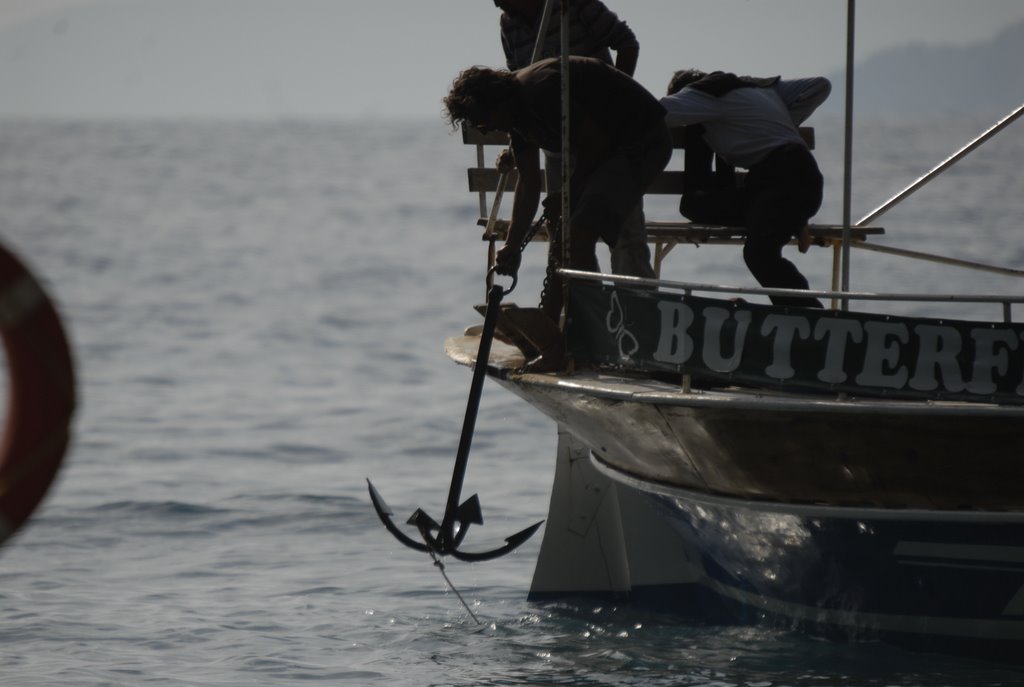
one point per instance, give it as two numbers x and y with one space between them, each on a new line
445 539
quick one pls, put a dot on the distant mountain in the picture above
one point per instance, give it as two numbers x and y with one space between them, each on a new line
939 79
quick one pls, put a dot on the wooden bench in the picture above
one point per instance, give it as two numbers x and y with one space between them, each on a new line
663 234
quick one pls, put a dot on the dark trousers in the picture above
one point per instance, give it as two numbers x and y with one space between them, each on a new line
607 205
781 193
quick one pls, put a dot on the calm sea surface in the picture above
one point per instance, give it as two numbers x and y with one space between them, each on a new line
258 313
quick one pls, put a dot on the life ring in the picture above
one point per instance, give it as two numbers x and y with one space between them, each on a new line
41 393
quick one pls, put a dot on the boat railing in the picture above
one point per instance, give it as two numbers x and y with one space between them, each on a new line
1005 301
941 167
665 235
918 184
662 234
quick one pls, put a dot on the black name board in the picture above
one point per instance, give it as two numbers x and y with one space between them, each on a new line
795 348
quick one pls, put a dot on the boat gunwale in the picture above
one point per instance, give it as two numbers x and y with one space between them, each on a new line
744 398
798 508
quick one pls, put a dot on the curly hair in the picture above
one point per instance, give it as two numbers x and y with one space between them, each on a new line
683 78
478 90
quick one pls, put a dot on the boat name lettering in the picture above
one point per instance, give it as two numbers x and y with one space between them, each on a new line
803 348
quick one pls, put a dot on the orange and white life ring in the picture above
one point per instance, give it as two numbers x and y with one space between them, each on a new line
41 399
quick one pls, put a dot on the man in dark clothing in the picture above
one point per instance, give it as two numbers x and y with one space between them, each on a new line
594 31
618 138
752 123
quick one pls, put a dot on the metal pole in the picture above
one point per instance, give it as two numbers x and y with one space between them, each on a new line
941 259
948 162
848 149
566 152
542 31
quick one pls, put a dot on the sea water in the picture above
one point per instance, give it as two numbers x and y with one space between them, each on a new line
258 313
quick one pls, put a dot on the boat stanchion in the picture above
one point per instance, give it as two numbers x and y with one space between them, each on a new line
445 539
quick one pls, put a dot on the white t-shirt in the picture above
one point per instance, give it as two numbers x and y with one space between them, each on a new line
746 124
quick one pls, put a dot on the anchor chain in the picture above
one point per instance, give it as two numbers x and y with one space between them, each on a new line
551 291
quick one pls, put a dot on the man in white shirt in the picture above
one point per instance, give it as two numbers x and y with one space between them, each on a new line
753 124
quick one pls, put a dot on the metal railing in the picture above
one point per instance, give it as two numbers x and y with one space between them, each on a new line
940 168
689 288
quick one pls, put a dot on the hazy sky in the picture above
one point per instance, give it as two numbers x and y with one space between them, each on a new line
394 58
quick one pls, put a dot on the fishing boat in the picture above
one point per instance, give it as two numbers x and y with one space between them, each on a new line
854 472
710 462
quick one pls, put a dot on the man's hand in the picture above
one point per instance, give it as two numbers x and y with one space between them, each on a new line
506 260
804 238
506 161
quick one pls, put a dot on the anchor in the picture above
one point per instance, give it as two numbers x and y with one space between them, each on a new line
445 538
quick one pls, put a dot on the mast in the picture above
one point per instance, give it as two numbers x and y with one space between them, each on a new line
847 153
566 152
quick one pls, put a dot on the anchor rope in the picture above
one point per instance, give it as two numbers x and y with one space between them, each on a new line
440 566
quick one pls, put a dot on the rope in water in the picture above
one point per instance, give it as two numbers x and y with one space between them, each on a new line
440 566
